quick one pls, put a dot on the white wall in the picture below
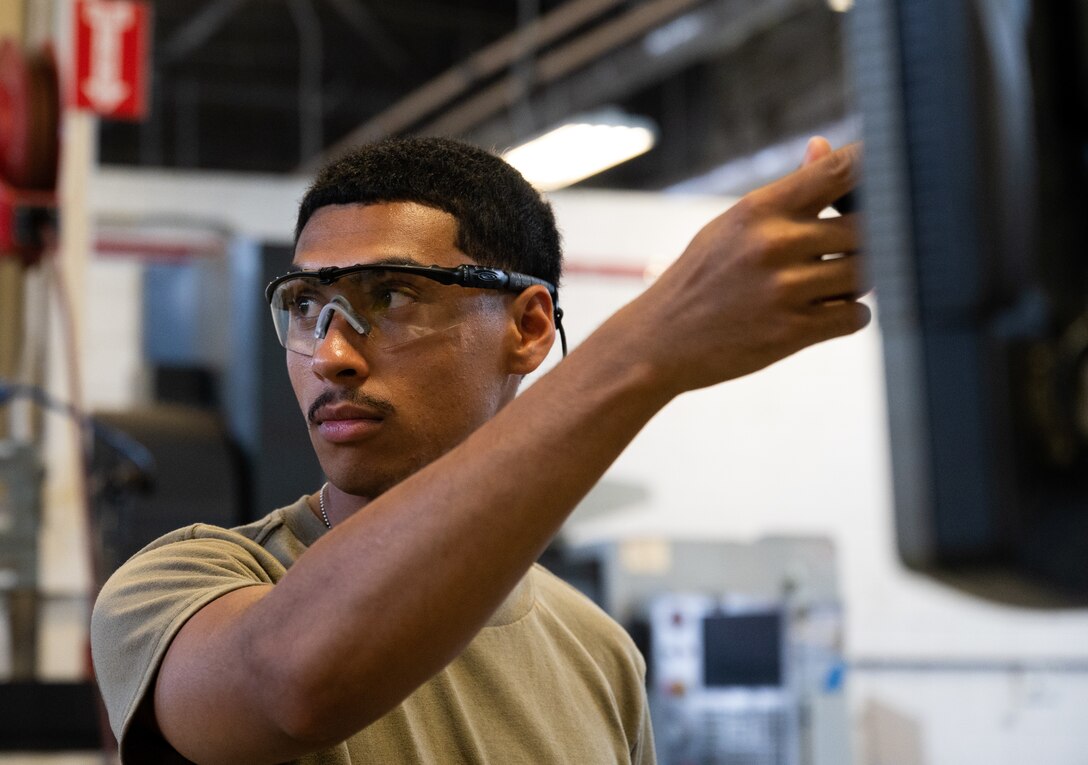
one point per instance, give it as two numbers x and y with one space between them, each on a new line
798 448
261 206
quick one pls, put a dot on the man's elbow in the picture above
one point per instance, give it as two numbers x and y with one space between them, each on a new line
317 712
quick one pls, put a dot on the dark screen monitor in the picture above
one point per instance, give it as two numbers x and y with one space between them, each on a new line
975 190
742 650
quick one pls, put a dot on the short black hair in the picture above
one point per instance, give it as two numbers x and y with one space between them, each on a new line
502 221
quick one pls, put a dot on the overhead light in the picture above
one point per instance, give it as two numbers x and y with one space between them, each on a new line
665 39
581 147
840 6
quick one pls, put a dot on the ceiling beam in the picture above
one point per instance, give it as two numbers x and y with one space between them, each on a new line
198 29
704 33
459 79
577 54
370 32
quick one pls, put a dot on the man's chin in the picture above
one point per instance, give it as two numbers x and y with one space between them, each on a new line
367 482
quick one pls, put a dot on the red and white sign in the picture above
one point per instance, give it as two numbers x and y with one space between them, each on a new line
111 57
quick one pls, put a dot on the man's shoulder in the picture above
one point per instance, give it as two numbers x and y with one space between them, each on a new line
576 610
282 534
554 589
202 561
601 638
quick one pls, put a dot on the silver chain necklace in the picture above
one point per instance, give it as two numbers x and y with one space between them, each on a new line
321 503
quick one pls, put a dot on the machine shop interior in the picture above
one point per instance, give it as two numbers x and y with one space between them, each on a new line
748 538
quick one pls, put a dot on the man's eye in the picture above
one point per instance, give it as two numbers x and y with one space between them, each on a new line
305 307
398 299
390 298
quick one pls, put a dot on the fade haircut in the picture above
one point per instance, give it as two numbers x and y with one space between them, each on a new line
502 221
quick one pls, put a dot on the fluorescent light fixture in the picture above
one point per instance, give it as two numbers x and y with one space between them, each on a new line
581 147
676 33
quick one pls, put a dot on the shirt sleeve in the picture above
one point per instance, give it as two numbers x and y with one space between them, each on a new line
146 602
644 752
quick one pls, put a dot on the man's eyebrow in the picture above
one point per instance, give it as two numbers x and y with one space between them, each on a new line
398 261
395 260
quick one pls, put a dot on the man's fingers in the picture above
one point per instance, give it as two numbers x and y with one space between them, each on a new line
830 280
817 148
804 241
843 317
841 279
817 184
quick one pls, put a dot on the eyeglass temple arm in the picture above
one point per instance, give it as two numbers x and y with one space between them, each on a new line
493 278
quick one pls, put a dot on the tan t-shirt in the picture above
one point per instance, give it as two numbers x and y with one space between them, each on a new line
550 679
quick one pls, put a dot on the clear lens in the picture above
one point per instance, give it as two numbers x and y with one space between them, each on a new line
396 307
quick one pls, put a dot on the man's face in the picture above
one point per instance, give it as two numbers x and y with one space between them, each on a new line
375 416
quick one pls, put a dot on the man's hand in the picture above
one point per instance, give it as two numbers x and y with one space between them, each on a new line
760 282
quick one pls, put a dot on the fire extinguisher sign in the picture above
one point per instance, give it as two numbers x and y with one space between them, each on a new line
112 38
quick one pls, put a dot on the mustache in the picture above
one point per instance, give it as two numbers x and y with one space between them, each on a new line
356 397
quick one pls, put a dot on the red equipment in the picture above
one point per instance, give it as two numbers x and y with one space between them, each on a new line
29 150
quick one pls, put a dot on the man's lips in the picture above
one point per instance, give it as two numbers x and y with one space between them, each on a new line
343 431
343 421
342 411
340 424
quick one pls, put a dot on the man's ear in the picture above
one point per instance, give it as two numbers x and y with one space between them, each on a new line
532 330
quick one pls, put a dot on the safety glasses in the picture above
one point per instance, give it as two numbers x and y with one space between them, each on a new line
389 304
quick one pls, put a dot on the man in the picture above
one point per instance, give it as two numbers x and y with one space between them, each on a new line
396 615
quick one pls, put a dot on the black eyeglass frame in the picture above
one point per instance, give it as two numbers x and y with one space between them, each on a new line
465 275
